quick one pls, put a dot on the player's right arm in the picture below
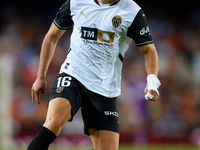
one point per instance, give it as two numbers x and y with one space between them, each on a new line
46 55
61 23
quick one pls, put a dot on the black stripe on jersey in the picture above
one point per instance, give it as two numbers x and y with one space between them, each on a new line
63 19
121 57
139 30
97 2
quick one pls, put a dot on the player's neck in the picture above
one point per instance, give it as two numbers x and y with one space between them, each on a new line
105 1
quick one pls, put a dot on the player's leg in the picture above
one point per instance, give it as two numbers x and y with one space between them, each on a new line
59 112
104 140
101 121
64 102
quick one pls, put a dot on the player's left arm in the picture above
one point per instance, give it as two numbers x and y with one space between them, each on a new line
151 58
151 65
139 31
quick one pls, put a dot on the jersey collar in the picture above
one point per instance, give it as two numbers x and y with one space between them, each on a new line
96 1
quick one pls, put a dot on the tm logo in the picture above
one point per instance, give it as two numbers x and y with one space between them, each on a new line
97 35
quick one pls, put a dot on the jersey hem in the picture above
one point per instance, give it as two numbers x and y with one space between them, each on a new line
90 89
144 43
62 28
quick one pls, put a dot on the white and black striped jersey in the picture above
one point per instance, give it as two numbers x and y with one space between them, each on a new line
101 35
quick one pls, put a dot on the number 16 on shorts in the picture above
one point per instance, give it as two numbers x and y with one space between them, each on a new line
64 81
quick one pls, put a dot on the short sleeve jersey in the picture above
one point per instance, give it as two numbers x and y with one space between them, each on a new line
100 37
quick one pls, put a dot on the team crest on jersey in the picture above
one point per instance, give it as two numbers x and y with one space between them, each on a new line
59 89
116 21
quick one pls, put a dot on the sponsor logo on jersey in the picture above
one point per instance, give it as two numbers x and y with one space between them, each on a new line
116 21
82 13
145 30
97 35
111 113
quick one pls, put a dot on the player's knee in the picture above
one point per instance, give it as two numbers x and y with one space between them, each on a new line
54 123
102 139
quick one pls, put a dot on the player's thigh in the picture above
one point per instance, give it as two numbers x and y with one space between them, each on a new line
59 112
104 140
65 99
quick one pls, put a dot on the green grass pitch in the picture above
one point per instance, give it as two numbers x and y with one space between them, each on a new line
152 147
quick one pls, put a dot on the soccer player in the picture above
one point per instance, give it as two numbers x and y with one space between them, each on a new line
90 77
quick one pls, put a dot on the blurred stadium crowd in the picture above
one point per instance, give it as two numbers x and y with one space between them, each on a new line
174 118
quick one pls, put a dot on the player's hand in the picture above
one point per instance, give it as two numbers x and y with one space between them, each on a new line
151 95
151 89
39 86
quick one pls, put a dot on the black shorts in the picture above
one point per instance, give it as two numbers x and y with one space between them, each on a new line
98 111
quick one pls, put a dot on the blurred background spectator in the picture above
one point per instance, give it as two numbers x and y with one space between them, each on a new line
174 25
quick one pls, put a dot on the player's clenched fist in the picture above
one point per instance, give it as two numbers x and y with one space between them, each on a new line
151 89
